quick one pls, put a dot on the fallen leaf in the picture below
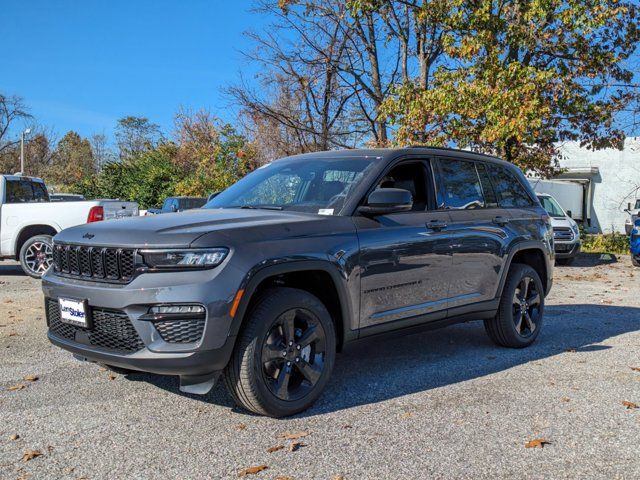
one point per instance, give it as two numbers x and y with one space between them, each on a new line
635 369
346 426
629 405
15 436
283 477
275 449
295 446
112 376
240 426
31 378
537 443
252 470
406 415
19 386
566 399
293 435
338 477
30 455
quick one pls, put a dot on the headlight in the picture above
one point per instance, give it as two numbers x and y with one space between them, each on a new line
184 258
575 229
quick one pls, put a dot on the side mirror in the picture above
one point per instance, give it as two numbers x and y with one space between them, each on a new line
174 208
569 214
387 200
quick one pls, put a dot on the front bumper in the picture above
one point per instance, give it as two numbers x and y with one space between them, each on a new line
214 289
566 250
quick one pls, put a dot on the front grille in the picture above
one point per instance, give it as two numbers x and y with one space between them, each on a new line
562 234
180 331
94 263
112 330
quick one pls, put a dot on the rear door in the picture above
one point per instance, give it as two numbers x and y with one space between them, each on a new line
479 229
405 257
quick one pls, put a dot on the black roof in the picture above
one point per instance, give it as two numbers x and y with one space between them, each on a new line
387 154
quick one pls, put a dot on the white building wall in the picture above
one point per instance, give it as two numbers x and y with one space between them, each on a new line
616 184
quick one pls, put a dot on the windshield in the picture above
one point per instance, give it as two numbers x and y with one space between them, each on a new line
317 185
551 206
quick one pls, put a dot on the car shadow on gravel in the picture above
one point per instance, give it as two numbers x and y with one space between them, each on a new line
593 260
396 365
12 271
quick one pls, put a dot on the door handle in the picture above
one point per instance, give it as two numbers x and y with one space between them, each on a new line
436 225
500 220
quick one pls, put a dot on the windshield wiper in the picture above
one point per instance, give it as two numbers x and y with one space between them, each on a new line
260 207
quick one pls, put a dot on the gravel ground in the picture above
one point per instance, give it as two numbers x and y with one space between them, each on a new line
441 404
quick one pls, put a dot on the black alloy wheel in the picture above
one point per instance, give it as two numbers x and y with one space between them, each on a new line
284 353
526 306
520 315
293 354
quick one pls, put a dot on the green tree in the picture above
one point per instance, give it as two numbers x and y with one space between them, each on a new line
136 134
72 161
521 76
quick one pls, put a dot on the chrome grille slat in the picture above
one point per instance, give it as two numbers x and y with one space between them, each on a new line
562 234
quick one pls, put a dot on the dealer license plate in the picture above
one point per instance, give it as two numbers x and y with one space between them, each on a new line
73 312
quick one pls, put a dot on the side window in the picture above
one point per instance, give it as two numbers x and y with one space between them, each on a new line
509 190
410 176
489 194
459 184
40 193
19 191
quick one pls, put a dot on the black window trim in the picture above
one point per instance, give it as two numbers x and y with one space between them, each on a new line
509 169
427 163
443 158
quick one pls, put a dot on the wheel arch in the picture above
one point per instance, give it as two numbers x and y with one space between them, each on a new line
30 231
532 254
308 275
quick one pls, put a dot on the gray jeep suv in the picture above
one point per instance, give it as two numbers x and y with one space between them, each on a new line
296 260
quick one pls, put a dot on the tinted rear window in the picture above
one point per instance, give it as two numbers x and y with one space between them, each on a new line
510 192
25 191
459 185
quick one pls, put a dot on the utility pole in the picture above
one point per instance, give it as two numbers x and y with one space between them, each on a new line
26 132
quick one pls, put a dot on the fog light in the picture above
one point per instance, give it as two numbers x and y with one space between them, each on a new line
176 309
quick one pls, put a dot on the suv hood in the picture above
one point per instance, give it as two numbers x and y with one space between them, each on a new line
176 230
562 222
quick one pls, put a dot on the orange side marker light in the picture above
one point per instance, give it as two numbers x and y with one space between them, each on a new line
236 302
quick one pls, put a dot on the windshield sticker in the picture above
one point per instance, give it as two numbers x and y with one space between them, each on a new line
325 211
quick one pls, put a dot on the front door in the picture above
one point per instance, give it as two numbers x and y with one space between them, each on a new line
404 257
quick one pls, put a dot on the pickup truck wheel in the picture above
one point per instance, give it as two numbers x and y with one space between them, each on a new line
284 354
520 314
36 255
634 261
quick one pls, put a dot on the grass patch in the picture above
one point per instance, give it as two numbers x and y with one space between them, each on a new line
615 243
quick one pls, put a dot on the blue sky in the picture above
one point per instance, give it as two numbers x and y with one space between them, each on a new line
82 65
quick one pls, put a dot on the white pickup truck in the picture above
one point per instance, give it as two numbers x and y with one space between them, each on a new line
29 220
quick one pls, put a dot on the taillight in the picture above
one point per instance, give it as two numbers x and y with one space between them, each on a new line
96 214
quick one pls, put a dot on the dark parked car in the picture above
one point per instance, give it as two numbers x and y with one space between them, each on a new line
300 258
178 204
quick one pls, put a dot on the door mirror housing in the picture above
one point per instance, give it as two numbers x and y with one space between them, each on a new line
569 214
387 200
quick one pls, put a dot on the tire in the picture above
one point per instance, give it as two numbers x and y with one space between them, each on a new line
263 375
565 261
510 327
634 262
36 255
